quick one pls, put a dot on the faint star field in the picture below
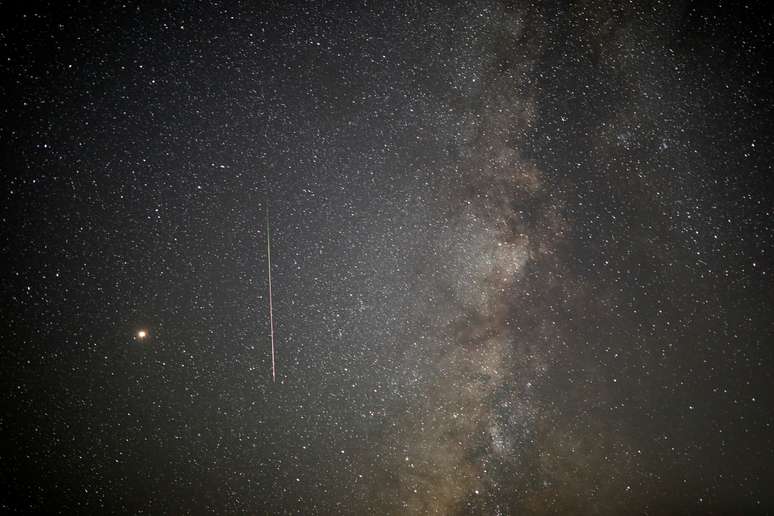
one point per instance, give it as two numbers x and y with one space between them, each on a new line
521 258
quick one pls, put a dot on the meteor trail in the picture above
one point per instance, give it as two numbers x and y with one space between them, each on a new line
271 309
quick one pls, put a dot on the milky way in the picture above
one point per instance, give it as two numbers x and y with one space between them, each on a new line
520 258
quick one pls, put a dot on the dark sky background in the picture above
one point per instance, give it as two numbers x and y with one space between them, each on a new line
522 258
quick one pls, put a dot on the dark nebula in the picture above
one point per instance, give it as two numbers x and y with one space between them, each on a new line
521 258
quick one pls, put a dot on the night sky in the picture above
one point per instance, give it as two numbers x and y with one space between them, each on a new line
522 258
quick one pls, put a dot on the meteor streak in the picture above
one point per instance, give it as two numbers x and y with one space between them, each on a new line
271 309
